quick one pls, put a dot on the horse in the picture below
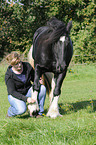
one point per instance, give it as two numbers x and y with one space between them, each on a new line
52 52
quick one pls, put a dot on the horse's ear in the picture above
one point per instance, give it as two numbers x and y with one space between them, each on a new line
69 26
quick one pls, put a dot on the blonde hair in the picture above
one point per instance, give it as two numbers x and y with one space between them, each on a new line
13 58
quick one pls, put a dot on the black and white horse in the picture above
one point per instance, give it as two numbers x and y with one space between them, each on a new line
52 52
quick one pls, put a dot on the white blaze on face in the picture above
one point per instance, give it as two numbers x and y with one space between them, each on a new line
62 38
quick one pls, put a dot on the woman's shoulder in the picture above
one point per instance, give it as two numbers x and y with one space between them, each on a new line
8 73
9 69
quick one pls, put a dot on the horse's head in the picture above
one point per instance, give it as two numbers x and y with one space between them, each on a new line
63 49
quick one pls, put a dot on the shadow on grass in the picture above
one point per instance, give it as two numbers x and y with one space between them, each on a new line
66 108
89 105
24 116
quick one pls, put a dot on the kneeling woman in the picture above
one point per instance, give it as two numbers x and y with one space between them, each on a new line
18 80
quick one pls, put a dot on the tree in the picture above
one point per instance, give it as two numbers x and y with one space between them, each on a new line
20 21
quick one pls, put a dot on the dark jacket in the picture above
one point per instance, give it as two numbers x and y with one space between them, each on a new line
15 86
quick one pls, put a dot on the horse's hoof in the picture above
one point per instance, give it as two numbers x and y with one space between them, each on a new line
61 115
31 116
54 115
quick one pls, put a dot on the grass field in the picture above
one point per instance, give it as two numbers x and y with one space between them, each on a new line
77 105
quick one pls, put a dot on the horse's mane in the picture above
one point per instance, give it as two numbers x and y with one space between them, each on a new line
56 29
38 32
54 22
50 33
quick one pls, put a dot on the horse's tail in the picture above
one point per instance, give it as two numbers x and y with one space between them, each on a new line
47 77
47 80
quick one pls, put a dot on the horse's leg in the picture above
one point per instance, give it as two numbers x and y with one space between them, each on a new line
54 109
34 95
35 90
52 90
36 84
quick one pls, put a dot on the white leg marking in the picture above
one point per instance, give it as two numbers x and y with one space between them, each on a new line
34 97
31 108
53 109
34 106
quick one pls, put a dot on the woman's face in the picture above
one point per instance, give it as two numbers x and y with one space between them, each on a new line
18 65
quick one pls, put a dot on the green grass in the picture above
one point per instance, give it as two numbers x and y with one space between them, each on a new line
77 105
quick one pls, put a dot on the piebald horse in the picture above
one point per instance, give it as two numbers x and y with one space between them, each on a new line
52 51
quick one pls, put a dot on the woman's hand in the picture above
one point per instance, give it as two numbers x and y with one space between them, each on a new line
30 100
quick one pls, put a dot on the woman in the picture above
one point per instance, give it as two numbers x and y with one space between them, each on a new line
18 80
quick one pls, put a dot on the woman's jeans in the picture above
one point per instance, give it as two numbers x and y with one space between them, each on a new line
18 107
